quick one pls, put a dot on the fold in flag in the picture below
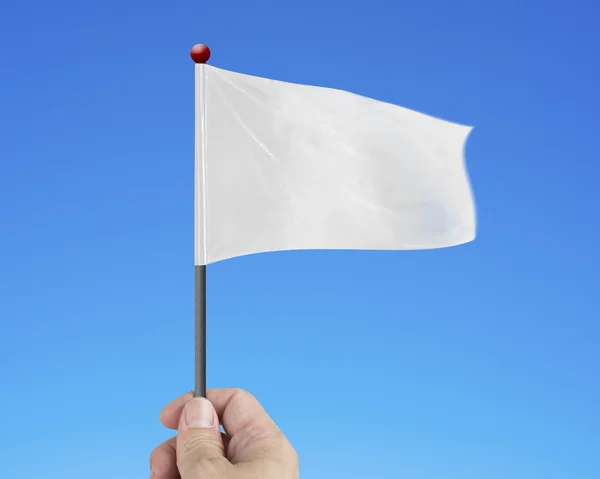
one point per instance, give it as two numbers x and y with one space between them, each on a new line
282 166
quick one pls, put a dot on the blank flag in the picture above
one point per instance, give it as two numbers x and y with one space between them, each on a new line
282 166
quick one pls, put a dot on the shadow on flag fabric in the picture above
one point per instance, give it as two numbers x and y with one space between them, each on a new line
283 166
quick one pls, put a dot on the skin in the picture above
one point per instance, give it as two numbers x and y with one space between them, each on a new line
252 446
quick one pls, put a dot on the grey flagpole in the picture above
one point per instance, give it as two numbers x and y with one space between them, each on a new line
200 360
200 54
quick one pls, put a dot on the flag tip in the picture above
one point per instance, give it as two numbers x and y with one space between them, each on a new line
200 53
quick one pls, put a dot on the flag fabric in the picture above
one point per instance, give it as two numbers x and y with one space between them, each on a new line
283 166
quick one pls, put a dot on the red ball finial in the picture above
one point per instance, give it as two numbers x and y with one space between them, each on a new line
200 53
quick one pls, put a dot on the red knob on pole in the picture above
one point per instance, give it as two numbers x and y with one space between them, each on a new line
200 53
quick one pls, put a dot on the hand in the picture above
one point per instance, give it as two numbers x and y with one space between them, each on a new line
252 446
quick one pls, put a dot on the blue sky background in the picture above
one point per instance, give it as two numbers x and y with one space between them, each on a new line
475 362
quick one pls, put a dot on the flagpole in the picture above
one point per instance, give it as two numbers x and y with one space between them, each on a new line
200 54
200 341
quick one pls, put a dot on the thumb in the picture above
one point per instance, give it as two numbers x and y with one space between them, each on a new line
199 444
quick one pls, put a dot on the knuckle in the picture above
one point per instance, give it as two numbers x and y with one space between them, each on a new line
289 452
155 454
290 463
201 445
242 394
204 467
293 453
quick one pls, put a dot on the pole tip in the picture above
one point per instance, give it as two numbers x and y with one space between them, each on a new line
200 53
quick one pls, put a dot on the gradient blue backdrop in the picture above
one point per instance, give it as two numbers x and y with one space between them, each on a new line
475 362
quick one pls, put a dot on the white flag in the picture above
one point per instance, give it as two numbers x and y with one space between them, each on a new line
282 166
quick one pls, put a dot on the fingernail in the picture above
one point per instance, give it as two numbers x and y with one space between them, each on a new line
199 413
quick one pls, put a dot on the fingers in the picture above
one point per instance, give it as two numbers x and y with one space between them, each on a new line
171 413
253 433
163 461
199 447
238 409
235 408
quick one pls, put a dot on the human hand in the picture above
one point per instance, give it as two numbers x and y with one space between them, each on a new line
252 446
